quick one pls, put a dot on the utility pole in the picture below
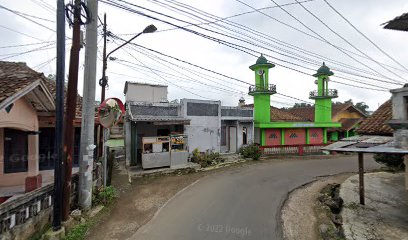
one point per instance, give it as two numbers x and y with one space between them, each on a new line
71 106
103 82
59 118
88 109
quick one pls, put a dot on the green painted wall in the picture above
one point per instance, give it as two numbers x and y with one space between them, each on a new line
334 136
282 136
262 112
323 106
307 135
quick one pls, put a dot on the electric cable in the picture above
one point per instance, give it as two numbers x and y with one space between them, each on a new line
365 36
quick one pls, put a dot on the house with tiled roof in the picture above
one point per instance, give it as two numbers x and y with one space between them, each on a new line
377 123
347 114
27 120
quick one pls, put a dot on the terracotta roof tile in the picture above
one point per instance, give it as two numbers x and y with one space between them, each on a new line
15 76
278 115
308 112
377 122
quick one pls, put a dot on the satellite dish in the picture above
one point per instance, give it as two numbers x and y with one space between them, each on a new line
110 111
261 72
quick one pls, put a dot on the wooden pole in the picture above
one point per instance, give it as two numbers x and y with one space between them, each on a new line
70 110
361 177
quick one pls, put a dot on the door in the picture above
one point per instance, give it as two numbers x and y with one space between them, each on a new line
232 139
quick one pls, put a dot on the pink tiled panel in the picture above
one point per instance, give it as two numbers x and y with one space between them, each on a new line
273 137
298 136
316 135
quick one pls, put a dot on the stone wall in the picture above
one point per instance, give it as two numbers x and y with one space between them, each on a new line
24 215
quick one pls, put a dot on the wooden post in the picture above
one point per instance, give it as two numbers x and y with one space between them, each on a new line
361 177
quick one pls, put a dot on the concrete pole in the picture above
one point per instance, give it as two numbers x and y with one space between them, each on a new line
88 109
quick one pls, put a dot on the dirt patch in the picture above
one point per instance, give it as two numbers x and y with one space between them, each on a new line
137 203
299 216
140 200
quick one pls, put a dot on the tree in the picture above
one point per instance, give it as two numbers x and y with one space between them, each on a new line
300 105
362 106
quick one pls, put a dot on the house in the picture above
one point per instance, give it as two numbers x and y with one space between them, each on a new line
270 132
347 114
180 126
24 97
377 123
27 120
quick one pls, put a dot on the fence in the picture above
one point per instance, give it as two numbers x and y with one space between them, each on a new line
291 149
22 216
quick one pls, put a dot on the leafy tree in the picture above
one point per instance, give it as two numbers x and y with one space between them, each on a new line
300 105
362 106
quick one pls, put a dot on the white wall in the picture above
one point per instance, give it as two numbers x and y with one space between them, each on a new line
145 93
204 132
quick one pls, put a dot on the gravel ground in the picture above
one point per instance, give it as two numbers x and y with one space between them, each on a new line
299 217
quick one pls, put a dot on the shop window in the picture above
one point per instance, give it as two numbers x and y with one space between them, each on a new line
15 151
293 135
273 136
244 136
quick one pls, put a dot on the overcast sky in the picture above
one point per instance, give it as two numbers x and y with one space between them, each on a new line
305 52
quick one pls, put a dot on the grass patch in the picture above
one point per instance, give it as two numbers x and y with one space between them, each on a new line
79 231
38 235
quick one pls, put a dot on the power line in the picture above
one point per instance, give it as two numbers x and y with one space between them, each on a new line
42 48
155 73
365 36
344 39
229 44
43 64
260 34
264 35
25 45
10 29
21 15
320 37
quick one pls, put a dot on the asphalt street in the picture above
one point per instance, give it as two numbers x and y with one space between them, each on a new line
240 203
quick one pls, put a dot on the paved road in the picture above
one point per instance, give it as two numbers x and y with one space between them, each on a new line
240 203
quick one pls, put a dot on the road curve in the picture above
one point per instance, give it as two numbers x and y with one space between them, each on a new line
240 203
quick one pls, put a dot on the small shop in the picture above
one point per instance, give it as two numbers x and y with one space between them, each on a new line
164 151
155 140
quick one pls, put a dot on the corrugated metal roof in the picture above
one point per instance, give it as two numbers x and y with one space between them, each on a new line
366 144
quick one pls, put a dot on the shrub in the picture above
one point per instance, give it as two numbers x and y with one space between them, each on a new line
104 195
250 151
205 159
390 160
